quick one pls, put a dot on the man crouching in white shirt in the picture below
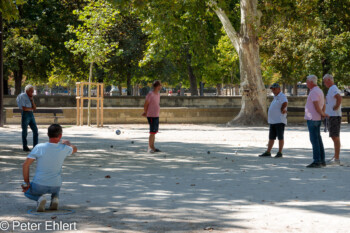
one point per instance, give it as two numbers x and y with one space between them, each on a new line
277 118
49 157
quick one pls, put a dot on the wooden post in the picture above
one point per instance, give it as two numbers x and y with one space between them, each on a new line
81 105
78 107
80 102
98 106
102 97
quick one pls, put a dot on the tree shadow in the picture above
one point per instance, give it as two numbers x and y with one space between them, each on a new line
188 187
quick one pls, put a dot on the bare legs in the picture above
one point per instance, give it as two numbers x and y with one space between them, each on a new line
152 138
336 141
280 144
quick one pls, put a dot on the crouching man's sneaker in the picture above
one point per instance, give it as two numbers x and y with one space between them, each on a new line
41 204
54 203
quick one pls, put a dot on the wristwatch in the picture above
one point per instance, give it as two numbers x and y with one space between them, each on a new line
25 184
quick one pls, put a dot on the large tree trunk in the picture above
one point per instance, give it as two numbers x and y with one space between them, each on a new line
6 87
191 76
128 84
295 89
18 74
120 88
254 108
218 89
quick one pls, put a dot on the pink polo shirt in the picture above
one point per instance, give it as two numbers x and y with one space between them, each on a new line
316 94
153 107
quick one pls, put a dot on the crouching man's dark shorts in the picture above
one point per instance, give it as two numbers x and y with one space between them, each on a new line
276 130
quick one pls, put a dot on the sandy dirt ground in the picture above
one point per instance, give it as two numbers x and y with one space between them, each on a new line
207 179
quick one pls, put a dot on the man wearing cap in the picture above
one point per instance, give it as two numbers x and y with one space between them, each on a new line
277 118
26 103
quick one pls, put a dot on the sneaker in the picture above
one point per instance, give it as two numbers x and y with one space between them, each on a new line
323 164
41 204
150 151
314 165
26 149
54 203
333 161
265 154
279 155
157 150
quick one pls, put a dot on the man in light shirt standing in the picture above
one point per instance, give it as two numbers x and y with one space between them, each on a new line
277 118
151 111
26 103
333 111
314 111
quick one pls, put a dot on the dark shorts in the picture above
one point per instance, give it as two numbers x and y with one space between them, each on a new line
276 130
153 124
334 126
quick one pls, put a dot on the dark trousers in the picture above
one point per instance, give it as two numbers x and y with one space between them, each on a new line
28 119
316 141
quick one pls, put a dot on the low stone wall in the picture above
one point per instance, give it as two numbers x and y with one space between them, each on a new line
166 101
133 115
124 110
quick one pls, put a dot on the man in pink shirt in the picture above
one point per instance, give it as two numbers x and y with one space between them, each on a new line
151 111
314 112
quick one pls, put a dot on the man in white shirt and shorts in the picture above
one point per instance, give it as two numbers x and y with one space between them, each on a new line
277 118
333 114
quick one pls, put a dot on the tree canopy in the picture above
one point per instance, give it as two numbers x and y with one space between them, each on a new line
180 42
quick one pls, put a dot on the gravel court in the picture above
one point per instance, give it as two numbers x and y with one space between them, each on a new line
207 178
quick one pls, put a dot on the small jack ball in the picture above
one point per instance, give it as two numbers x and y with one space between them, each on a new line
111 146
132 142
118 132
208 152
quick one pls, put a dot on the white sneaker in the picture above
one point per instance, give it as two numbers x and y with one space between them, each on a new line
150 151
333 161
54 203
41 204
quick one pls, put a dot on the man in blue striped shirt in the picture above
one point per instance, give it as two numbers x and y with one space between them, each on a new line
26 103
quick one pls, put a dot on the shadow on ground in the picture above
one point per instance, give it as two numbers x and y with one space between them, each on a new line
203 186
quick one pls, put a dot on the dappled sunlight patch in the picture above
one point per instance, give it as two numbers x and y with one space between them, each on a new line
184 188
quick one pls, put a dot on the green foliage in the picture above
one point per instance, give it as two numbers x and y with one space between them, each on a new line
132 41
9 8
97 19
183 33
34 55
158 39
306 37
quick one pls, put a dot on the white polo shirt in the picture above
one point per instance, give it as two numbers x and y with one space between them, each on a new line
275 115
331 101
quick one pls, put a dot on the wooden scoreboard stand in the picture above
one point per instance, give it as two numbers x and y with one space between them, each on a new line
80 102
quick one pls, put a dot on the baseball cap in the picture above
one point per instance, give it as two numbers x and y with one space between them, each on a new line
275 85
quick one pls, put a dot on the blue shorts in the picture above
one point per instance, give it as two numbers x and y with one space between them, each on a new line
35 191
153 124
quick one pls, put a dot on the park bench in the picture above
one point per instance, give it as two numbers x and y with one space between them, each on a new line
293 110
53 111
